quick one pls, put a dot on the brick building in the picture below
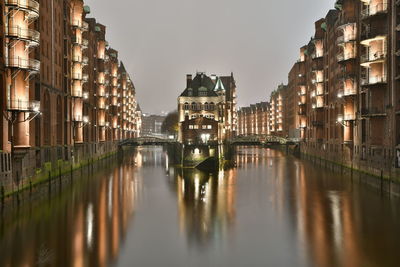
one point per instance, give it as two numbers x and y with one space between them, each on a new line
344 84
65 95
210 97
254 120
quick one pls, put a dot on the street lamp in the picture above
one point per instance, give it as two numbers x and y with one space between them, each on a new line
15 108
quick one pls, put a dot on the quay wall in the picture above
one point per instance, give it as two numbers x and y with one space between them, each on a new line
41 164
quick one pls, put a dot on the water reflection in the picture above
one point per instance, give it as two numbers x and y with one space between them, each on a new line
271 210
83 226
206 204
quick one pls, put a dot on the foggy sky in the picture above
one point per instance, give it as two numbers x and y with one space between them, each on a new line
160 41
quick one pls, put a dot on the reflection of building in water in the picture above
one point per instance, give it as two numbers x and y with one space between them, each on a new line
83 228
206 204
326 221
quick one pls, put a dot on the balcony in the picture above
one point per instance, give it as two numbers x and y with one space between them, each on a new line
77 118
77 93
370 58
20 63
372 10
85 61
28 35
345 56
302 103
347 117
29 6
318 80
346 92
301 113
346 39
76 76
374 80
373 112
23 105
82 25
85 77
76 59
317 55
318 105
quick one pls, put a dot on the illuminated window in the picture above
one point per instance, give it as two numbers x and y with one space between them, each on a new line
209 127
196 127
190 127
204 127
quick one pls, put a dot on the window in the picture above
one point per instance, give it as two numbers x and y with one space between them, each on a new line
186 106
211 106
209 127
193 106
191 127
206 106
196 127
204 127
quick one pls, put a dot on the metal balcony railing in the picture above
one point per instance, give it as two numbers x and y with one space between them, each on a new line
348 91
83 25
76 59
85 60
346 38
23 105
29 5
371 57
77 118
23 34
347 117
372 10
76 76
22 63
345 56
374 80
77 93
85 43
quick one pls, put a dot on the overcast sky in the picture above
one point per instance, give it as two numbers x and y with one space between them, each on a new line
160 41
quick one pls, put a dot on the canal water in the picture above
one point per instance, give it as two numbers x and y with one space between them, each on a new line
271 210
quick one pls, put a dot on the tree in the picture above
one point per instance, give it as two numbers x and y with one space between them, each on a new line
171 123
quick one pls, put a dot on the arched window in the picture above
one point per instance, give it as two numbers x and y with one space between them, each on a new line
211 106
60 121
194 106
46 118
186 106
206 106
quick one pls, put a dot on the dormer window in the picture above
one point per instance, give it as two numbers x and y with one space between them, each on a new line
203 91
190 92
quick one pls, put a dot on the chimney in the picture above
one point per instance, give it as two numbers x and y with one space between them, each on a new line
188 80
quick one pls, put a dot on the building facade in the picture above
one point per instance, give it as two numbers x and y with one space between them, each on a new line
151 124
210 97
254 120
65 96
342 96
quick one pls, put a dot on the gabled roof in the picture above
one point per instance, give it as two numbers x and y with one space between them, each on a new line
200 83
